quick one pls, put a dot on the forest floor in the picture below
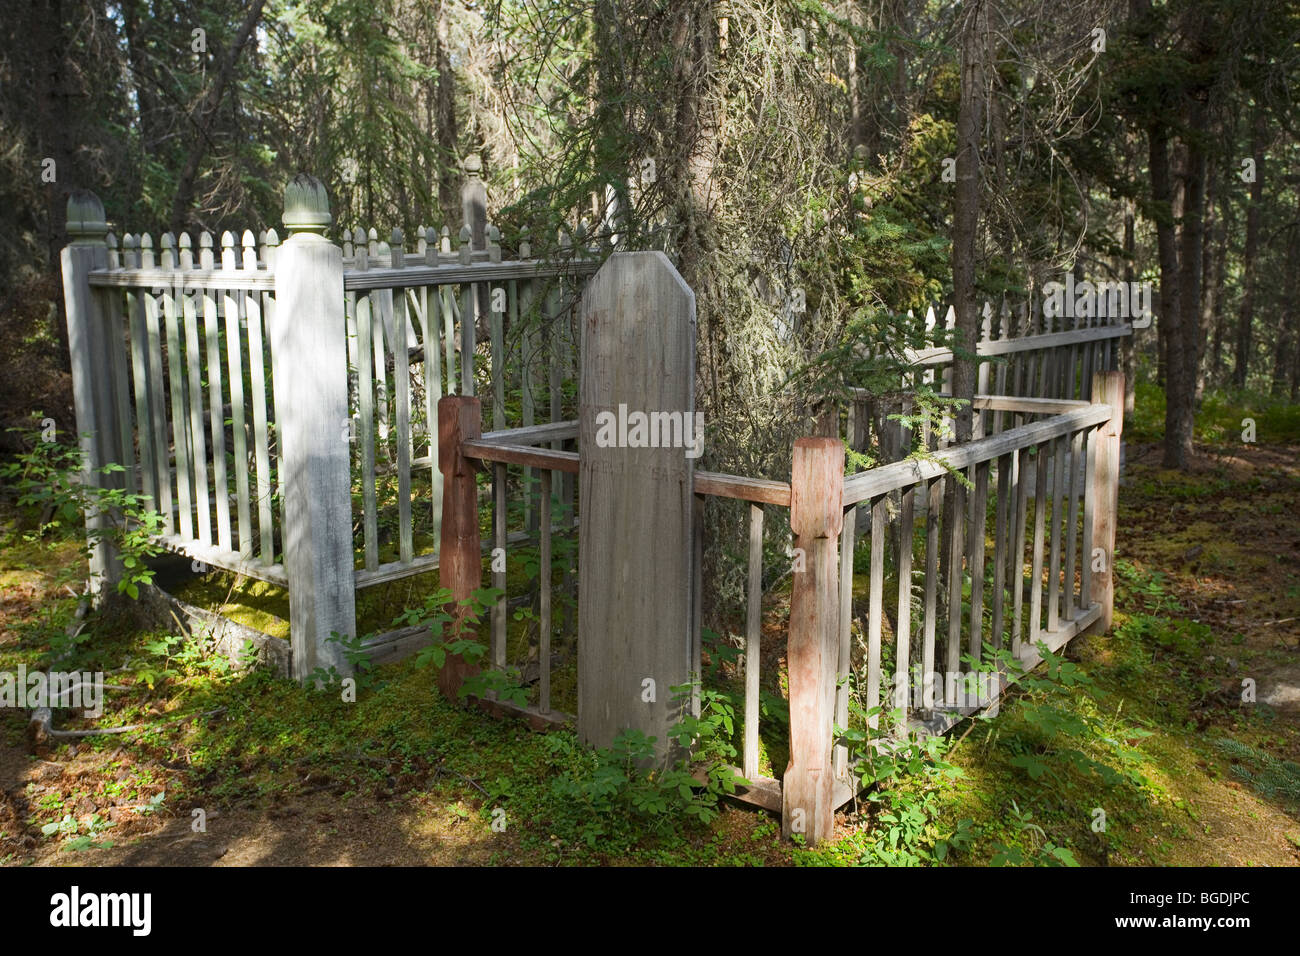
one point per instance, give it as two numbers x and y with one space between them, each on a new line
1139 750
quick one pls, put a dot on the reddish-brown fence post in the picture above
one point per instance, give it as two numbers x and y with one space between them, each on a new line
816 517
460 555
1107 389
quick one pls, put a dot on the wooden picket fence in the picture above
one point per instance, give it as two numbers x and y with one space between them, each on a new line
303 412
249 385
1048 466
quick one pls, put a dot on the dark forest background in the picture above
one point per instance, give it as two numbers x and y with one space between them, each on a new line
767 146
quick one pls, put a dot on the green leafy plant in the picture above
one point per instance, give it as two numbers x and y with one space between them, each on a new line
626 785
358 658
1041 850
905 779
455 635
50 480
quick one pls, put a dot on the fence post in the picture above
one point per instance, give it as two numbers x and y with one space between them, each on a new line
816 517
473 201
636 538
92 386
460 554
1107 389
310 379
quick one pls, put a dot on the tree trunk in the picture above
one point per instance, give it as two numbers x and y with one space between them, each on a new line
204 118
1289 329
1246 315
1127 349
52 99
1184 333
966 212
1210 240
448 136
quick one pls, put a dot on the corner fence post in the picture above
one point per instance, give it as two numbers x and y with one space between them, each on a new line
460 555
1107 389
92 387
812 653
310 379
636 500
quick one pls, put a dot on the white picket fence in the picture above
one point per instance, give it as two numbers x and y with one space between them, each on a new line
277 401
250 388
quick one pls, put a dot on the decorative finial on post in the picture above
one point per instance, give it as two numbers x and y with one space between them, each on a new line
86 217
473 200
306 206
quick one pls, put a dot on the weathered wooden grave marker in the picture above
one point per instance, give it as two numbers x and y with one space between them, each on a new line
635 503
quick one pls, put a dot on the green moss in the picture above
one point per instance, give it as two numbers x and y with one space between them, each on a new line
248 601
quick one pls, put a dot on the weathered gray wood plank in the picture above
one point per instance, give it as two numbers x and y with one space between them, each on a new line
635 540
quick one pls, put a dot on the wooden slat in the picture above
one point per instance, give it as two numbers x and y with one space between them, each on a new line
535 434
934 489
366 414
198 446
225 560
157 398
432 372
238 415
1016 559
116 343
1045 343
468 311
903 636
847 543
544 593
1013 403
753 639
194 279
447 301
1058 520
876 608
528 409
453 273
695 630
216 424
1090 470
975 562
499 576
496 326
955 513
261 450
1072 524
759 490
142 387
402 395
562 461
180 437
1001 548
1034 631
381 311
